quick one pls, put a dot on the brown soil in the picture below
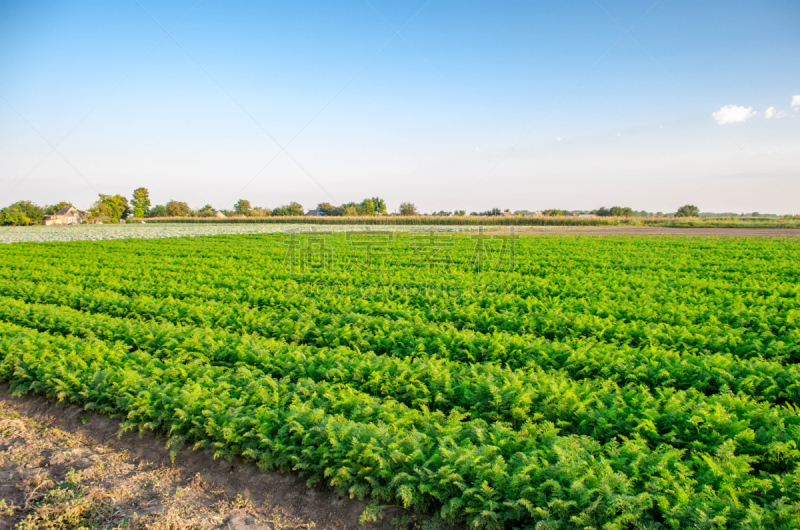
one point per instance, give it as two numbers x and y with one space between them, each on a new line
63 467
663 231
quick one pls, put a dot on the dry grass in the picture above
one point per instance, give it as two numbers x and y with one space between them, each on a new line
51 479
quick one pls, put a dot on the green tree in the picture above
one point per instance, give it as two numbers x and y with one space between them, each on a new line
205 211
21 213
460 212
329 210
53 208
178 209
602 212
620 211
140 202
159 210
258 211
111 206
688 210
293 208
242 207
407 208
367 207
379 204
350 211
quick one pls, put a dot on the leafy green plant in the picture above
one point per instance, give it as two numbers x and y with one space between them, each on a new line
622 383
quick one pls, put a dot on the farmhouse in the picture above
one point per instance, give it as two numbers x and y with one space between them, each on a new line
314 213
65 216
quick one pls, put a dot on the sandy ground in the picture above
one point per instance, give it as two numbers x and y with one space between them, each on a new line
63 467
662 231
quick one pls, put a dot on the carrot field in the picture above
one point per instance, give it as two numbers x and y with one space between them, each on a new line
492 379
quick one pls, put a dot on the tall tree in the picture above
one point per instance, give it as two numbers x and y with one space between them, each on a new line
407 208
380 205
242 207
141 202
688 210
177 209
111 206
367 207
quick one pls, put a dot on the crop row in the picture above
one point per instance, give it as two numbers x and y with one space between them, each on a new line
599 409
487 474
726 322
581 359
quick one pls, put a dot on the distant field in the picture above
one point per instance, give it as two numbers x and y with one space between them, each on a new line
727 222
40 234
566 382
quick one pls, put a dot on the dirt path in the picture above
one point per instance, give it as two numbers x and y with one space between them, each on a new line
64 467
662 231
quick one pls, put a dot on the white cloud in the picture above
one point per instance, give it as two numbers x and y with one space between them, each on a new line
771 113
558 138
733 114
796 101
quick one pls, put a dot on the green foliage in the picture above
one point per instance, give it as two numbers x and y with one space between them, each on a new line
242 207
141 202
329 210
177 209
112 206
407 208
367 207
292 209
688 210
614 211
21 213
158 210
205 211
379 205
621 383
53 208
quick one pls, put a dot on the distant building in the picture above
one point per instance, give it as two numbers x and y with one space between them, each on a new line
586 215
314 213
219 215
99 220
65 216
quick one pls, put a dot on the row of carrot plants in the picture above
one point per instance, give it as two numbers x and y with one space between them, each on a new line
600 409
728 320
489 475
623 383
653 366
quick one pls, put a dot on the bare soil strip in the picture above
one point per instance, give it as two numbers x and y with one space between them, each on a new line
64 467
662 231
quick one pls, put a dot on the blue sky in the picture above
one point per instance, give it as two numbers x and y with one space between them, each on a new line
473 105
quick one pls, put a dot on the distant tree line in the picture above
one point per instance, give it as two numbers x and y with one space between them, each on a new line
115 207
